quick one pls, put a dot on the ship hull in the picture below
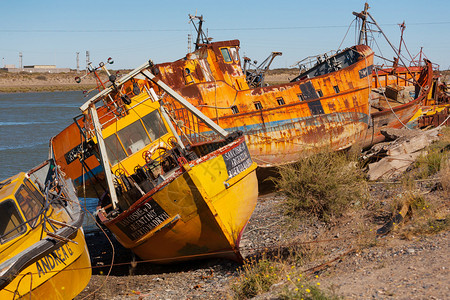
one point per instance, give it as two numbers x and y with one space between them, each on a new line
199 212
395 115
324 109
54 278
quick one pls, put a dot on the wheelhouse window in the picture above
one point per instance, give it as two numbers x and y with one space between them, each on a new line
31 202
301 97
226 55
280 101
235 109
234 54
154 125
336 89
114 149
258 105
11 223
135 137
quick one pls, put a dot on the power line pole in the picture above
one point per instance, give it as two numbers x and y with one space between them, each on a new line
78 62
88 59
189 42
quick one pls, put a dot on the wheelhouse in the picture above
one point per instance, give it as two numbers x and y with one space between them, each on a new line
21 207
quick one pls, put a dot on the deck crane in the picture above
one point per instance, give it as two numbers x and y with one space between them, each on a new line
255 77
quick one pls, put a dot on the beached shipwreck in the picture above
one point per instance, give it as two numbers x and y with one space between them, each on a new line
170 149
338 100
43 253
327 107
398 90
165 191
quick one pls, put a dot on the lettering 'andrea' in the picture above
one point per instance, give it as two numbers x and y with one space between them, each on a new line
52 260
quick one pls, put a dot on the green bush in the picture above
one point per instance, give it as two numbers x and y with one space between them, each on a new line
323 185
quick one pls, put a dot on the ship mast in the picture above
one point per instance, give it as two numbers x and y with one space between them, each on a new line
201 36
363 34
363 40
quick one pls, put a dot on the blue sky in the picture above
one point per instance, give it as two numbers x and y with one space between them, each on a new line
51 32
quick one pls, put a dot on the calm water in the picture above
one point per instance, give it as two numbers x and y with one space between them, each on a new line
27 122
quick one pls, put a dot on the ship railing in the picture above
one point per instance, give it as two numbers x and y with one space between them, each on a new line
190 128
312 61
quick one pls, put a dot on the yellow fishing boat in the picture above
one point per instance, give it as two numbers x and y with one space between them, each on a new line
168 192
43 254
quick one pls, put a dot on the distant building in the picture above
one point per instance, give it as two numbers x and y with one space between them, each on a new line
36 69
40 67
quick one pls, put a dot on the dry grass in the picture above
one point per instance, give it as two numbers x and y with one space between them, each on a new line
280 275
256 277
444 176
322 185
434 158
45 82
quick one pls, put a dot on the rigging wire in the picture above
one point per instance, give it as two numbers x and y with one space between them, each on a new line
189 30
346 34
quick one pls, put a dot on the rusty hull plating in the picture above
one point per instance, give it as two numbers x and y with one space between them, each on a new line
325 108
394 114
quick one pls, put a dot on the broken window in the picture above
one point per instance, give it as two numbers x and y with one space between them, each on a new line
206 70
114 149
300 97
154 125
235 109
30 201
133 137
336 89
11 223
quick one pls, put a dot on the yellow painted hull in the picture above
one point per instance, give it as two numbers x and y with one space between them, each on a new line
205 214
50 278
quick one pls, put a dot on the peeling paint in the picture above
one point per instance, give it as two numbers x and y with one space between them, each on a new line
276 133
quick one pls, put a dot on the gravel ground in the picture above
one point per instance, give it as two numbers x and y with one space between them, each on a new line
357 265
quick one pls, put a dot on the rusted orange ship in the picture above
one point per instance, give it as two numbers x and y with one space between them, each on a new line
325 107
391 109
398 91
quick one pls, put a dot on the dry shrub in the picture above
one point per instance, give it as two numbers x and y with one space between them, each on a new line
435 157
445 177
279 275
308 291
256 277
424 217
322 185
